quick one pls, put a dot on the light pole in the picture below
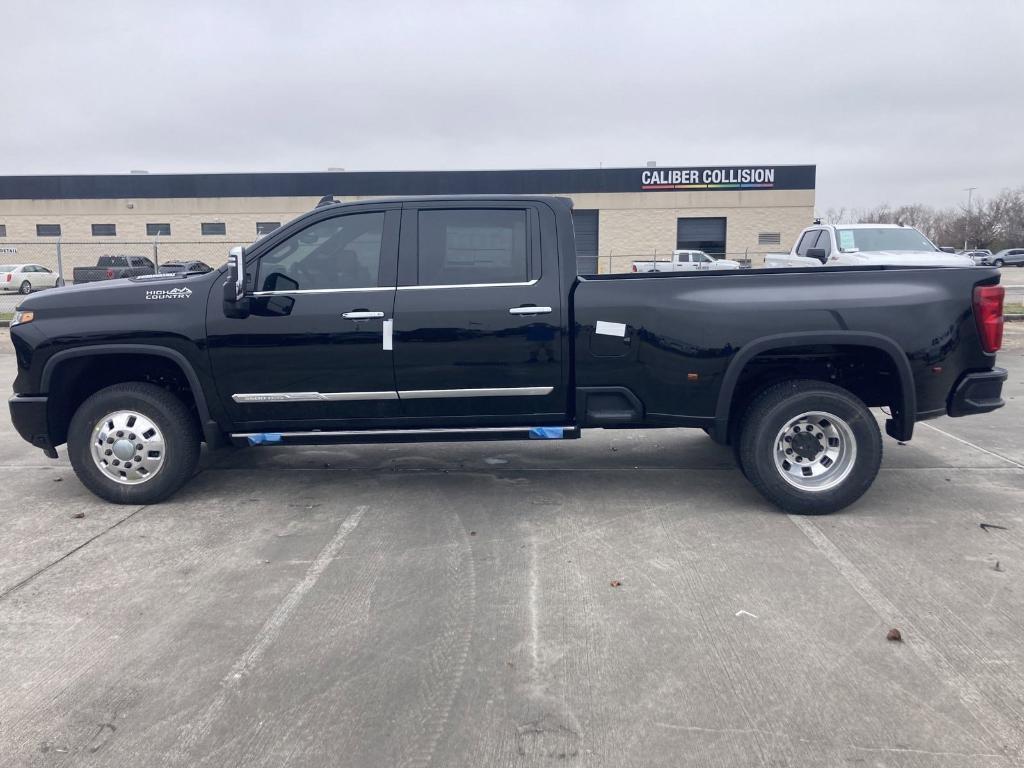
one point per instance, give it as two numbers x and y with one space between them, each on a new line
967 223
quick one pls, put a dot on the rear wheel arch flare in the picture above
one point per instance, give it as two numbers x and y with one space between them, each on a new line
903 417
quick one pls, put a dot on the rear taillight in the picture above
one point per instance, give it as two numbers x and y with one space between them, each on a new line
988 314
9 277
634 268
110 274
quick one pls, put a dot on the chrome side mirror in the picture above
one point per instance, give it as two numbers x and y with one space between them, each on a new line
236 271
235 303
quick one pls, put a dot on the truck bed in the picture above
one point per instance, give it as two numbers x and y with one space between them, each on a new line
681 333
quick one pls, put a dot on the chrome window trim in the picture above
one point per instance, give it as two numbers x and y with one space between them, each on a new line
407 394
319 290
390 288
465 285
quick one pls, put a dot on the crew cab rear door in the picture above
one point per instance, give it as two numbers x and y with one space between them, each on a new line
479 337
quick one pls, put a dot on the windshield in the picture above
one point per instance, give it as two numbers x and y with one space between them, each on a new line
883 239
8 267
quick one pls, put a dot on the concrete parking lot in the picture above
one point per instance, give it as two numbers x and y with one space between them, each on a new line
622 600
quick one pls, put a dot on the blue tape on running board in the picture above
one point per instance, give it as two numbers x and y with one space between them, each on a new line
546 433
265 437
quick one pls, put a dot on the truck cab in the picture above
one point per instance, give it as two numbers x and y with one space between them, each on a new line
439 311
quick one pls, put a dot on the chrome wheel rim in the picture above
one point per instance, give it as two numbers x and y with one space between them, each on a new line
815 451
128 447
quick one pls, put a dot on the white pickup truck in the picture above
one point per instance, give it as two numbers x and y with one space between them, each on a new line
850 245
683 261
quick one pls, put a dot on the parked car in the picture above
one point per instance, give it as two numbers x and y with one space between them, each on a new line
25 278
980 256
114 267
183 267
686 261
1011 257
477 327
837 245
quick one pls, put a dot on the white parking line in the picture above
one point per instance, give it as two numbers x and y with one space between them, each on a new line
198 728
974 446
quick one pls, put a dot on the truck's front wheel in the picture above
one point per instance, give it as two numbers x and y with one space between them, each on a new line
810 447
133 443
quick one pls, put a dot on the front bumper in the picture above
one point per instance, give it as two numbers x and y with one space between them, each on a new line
28 413
978 392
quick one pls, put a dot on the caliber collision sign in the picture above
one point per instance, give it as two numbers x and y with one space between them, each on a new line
759 177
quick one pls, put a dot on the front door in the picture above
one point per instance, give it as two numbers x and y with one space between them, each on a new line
479 332
315 349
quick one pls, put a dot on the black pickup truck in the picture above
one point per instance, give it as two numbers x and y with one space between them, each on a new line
463 318
113 268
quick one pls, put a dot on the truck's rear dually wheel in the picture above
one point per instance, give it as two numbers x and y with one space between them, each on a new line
809 446
133 443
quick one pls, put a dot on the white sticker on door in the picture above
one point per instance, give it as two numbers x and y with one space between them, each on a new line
610 329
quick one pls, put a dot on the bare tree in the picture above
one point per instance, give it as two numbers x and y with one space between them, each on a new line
997 223
836 216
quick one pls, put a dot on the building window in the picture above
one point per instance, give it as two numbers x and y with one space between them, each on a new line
152 230
214 228
3 230
104 230
47 230
266 227
769 238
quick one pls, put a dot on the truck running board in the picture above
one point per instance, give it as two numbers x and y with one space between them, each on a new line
324 437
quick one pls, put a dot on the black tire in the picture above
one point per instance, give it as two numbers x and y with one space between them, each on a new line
998 263
171 417
771 412
25 289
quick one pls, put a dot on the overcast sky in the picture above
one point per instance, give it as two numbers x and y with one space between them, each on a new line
893 101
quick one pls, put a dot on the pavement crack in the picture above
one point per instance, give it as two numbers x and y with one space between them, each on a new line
32 576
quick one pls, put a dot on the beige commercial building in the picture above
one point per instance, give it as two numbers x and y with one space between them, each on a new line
621 214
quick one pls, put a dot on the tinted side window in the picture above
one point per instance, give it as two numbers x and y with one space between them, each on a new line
807 241
825 242
343 252
464 247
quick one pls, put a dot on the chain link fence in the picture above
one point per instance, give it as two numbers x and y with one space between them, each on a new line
62 257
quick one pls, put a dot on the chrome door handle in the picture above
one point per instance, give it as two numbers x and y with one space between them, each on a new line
362 315
529 310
